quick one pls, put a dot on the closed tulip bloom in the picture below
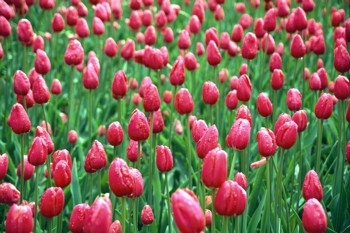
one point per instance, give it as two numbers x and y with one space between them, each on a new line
277 79
96 158
187 213
98 217
9 194
137 188
72 136
287 135
127 52
237 33
164 159
37 154
19 219
111 47
42 62
116 227
120 178
249 47
184 41
135 21
29 99
183 102
213 54
57 23
146 81
300 118
150 35
62 174
282 118
308 5
90 77
297 47
98 27
82 9
21 84
5 26
161 19
19 120
158 122
177 74
324 106
341 59
318 45
245 20
25 32
244 89
151 99
56 87
312 187
207 142
38 43
231 100
315 82
138 128
194 24
224 41
77 218
28 169
342 87
230 199
314 218
200 49
74 54
244 113
52 202
266 142
270 20
259 30
119 85
275 62
153 58
82 28
210 93
41 92
168 35
167 96
190 61
208 218
214 169
211 35
41 132
61 155
199 128
300 21
322 74
4 162
264 105
132 150
239 134
294 99
47 4
147 216
241 179
115 134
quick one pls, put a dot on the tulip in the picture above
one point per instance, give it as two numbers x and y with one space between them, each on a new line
183 102
300 21
153 58
207 142
194 24
21 84
275 62
82 28
245 21
28 169
19 219
56 87
74 54
168 35
90 77
19 120
111 47
210 93
342 87
138 128
190 61
239 134
314 218
277 79
312 187
213 54
150 36
52 202
57 23
270 20
187 212
200 49
286 135
5 26
9 194
322 74
177 74
294 99
147 215
241 179
3 165
161 19
164 158
249 47
132 151
115 134
98 217
97 26
264 105
96 158
184 41
151 99
72 136
324 106
25 32
137 183
38 152
244 89
127 52
300 118
208 218
119 85
214 169
116 227
297 47
237 33
266 142
198 130
135 21
120 178
77 218
244 113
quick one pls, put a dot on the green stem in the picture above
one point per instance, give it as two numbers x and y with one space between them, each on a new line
268 199
134 215
36 196
244 163
274 112
230 176
120 111
49 223
319 145
70 98
189 153
90 115
123 214
225 227
301 167
59 223
99 181
213 211
24 59
48 161
22 167
151 161
139 155
279 186
295 72
91 184
168 201
201 192
237 224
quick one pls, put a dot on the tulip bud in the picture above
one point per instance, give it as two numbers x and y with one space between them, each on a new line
25 32
3 165
300 118
19 219
150 36
132 151
19 120
277 79
158 122
21 84
249 47
264 105
244 89
207 142
151 99
231 100
97 26
294 99
98 217
168 35
230 199
312 187
198 130
341 59
237 33
37 154
82 28
322 74
245 21
119 85
164 158
177 74
297 47
244 113
42 62
213 54
9 194
127 52
60 155
115 134
275 62
90 77
287 135
314 218
5 26
138 128
120 178
77 219
38 43
57 23
72 136
147 215
62 174
56 87
241 180
41 92
210 93
208 218
187 213
82 10
115 227
266 142
300 21
167 96
135 21
239 134
214 169
183 102
200 49
324 106
184 41
342 87
74 54
190 61
52 202
194 24
96 158
270 20
153 58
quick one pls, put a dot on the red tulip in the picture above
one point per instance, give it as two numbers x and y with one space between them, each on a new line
198 130
28 169
98 27
115 134
214 169
98 217
213 54
223 75
3 165
210 93
315 82
82 28
127 52
57 23
62 174
294 99
239 134
190 61
161 19
61 155
82 10
200 49
150 36
249 47
164 158
208 218
147 215
19 219
5 27
115 227
300 21
21 84
52 202
314 218
297 47
207 142
324 106
244 89
138 128
342 87
74 54
259 30
241 179
300 118
270 20
322 74
41 92
131 151
184 41
96 158
19 120
168 35
120 178
318 45
341 59
72 136
230 199
231 100
183 102
277 79
25 32
42 62
266 142
37 154
312 187
158 122
211 35
135 21
77 218
244 113
9 194
38 43
275 62
188 215
194 24
177 74
245 20
151 99
264 105
56 87
153 58
287 134
119 85
90 77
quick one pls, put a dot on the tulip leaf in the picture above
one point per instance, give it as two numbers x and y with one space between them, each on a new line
255 219
75 187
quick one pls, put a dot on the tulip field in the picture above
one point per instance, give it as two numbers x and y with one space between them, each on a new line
191 116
